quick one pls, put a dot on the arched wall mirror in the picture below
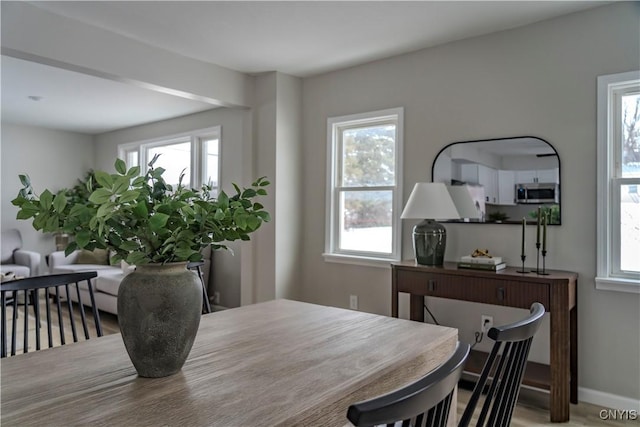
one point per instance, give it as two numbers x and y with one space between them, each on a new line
507 178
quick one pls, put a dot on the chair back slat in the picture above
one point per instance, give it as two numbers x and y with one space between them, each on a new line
426 401
72 320
81 310
47 301
503 370
60 322
36 308
40 291
197 266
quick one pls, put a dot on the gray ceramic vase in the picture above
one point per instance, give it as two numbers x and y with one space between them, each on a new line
159 310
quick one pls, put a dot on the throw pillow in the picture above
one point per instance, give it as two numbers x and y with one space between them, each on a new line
96 256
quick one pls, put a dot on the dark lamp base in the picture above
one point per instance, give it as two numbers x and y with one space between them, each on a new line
429 242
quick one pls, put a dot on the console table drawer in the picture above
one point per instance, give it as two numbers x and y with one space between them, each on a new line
476 289
523 294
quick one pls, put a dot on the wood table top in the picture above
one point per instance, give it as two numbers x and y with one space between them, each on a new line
275 363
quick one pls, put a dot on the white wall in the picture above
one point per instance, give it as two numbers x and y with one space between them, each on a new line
226 273
53 159
277 130
537 80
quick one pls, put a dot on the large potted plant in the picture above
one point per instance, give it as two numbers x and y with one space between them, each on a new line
146 222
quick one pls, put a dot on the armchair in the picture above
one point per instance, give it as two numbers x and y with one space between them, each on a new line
14 258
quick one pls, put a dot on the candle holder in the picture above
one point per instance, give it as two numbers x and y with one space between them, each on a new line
544 255
522 270
537 270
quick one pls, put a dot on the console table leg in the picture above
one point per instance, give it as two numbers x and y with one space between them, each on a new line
417 307
560 362
574 354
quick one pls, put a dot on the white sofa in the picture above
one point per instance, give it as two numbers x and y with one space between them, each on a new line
16 260
106 285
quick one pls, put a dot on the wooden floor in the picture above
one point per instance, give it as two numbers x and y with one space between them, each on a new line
532 408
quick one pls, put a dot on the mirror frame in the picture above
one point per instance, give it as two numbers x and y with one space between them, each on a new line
529 221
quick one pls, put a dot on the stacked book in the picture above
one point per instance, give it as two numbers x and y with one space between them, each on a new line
482 263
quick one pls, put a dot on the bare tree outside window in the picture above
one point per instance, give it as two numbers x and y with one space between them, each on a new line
629 197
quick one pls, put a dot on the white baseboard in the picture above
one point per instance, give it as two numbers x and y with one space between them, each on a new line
607 400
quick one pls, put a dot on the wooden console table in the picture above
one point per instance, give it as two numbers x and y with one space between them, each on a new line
556 291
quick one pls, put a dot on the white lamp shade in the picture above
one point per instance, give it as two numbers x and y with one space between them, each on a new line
430 200
465 204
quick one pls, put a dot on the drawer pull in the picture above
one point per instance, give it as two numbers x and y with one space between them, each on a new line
432 285
500 294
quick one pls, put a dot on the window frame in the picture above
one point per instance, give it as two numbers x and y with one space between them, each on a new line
609 275
336 125
196 138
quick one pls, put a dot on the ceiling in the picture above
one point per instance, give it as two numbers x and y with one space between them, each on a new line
300 38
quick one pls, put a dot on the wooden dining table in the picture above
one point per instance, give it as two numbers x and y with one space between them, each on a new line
277 363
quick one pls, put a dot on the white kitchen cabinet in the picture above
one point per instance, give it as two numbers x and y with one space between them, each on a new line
483 175
541 175
506 187
549 175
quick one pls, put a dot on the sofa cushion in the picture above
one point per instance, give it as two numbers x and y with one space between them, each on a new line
96 256
18 270
109 283
76 268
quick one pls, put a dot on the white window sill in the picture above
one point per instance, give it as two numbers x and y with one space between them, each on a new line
358 260
617 284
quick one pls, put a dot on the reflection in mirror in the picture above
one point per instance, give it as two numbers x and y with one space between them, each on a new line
508 178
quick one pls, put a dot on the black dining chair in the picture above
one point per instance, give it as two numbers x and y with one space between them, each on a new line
197 266
505 369
57 291
425 402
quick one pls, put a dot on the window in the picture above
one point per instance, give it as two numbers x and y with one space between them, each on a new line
364 187
196 153
618 182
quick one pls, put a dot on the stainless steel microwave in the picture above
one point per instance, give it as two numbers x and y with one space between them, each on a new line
537 193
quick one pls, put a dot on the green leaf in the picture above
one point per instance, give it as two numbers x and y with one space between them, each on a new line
70 248
129 245
59 202
83 238
158 221
134 171
138 181
157 172
136 258
24 214
248 193
46 198
24 180
104 179
105 210
129 196
121 167
140 210
261 192
121 185
100 196
223 200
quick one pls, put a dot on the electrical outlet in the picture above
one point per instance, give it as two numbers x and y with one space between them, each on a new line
486 323
353 302
216 298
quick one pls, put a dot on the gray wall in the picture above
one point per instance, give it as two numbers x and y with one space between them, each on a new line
53 159
537 80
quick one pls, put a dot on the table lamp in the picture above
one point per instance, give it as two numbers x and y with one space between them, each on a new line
429 201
